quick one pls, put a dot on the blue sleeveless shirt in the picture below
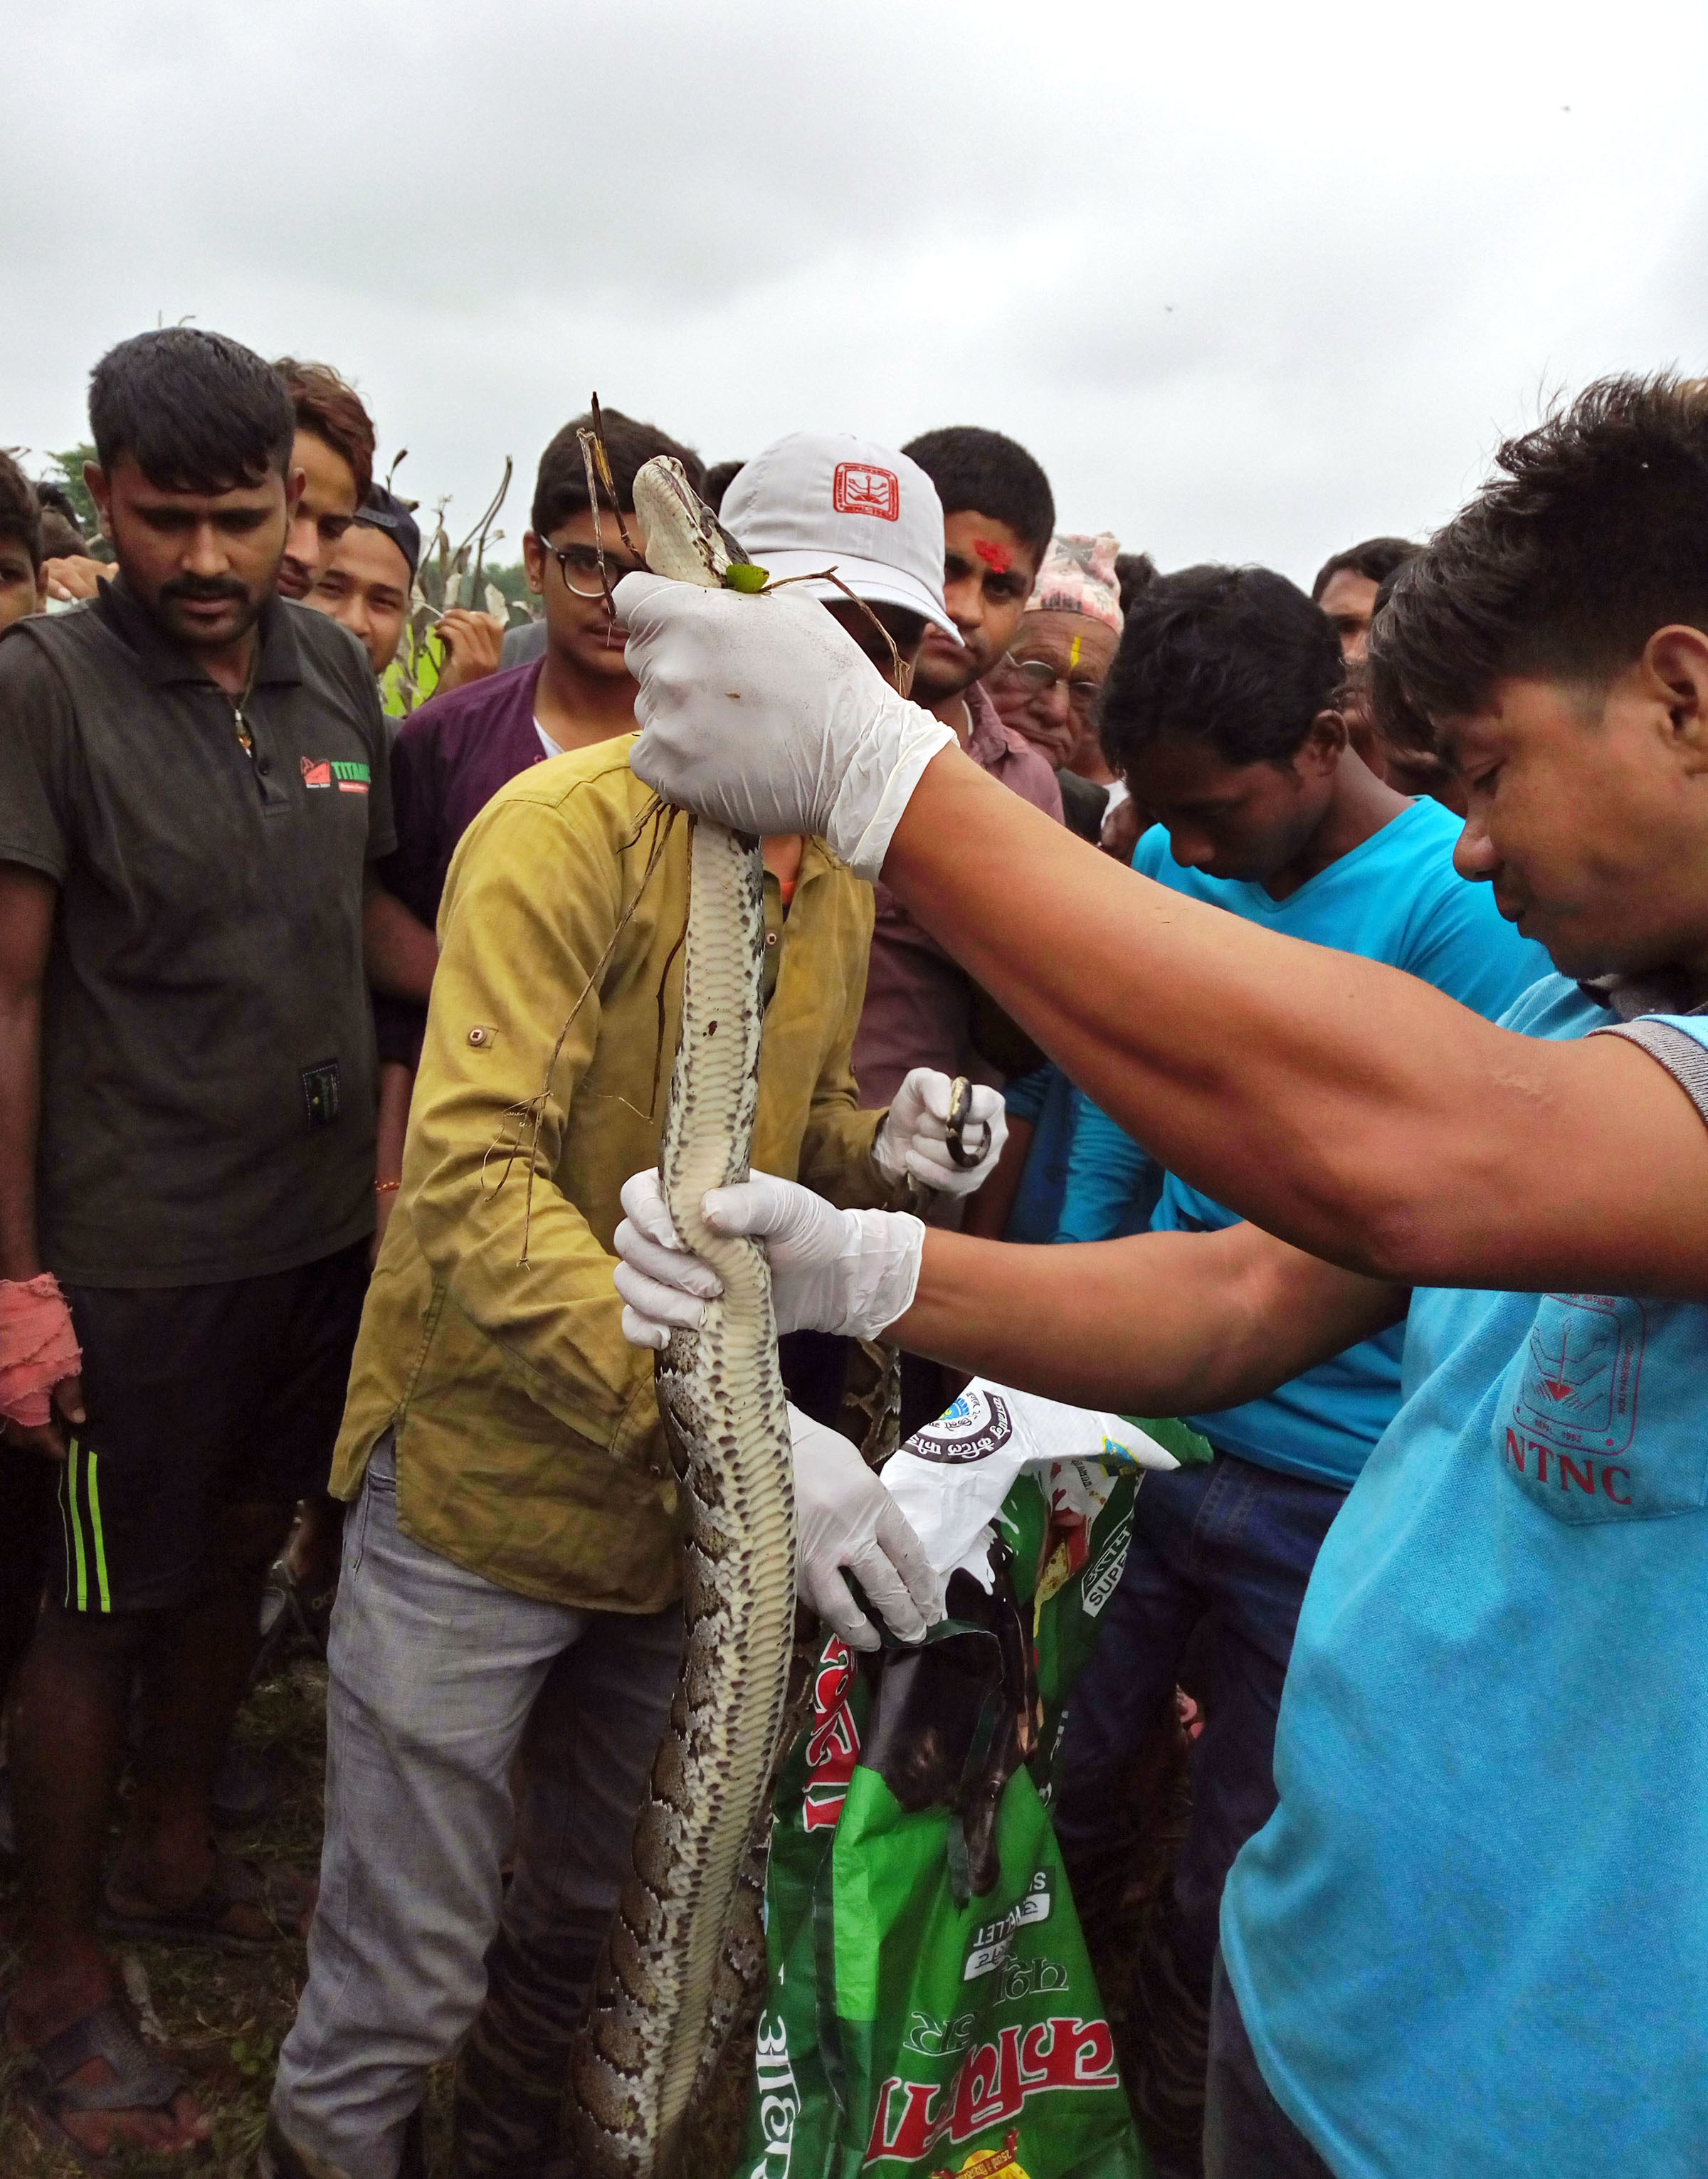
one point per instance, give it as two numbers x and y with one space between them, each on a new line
1473 1939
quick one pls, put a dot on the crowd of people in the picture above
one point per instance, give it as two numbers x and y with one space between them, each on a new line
333 1048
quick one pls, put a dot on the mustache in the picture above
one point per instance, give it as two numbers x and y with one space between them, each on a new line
204 589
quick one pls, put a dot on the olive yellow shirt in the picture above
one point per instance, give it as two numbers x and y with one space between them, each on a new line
530 1448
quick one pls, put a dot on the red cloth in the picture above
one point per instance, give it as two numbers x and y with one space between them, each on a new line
38 1346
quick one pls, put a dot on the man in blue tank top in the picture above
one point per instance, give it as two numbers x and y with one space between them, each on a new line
1471 1941
1220 712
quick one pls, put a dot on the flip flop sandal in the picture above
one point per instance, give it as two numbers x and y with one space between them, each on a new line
142 2080
234 1883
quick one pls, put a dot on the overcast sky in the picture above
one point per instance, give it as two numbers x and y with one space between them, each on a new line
1251 281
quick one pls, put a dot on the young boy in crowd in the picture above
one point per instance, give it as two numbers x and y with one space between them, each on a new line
464 743
1346 587
192 784
334 451
22 589
511 1575
366 585
61 534
1468 1943
1220 710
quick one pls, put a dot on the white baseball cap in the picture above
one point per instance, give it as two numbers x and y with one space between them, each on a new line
823 499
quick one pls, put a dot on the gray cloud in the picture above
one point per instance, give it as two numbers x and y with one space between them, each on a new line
1249 286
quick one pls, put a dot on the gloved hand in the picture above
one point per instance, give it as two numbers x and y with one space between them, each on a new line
846 1518
765 715
914 1136
849 1272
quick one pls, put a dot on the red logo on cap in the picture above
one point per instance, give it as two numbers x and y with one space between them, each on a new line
863 490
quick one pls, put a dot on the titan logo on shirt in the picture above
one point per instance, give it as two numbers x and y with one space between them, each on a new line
350 778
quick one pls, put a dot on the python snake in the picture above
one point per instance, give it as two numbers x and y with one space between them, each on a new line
639 2052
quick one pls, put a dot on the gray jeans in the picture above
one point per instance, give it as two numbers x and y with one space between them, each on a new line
437 1678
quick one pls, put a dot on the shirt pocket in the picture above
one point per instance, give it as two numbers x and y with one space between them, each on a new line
1596 1419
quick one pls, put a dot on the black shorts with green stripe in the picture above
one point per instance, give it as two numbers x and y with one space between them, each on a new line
198 1398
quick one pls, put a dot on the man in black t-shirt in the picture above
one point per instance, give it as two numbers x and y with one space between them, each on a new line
192 785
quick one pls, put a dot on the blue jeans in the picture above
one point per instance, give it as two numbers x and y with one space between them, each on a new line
1233 1543
1247 2135
436 1676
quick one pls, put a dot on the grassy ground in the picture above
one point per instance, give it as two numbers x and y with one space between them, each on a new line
224 2018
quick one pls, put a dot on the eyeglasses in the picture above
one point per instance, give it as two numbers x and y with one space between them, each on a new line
1041 678
579 566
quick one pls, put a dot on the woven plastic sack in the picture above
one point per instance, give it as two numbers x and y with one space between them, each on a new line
931 2011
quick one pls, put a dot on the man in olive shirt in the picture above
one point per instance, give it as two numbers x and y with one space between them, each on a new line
192 783
511 1567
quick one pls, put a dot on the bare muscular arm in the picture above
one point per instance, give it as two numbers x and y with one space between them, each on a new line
1163 1324
1347 1108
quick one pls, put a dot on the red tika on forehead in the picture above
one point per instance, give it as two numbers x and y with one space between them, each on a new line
996 557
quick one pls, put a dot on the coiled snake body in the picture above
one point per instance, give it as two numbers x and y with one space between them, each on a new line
637 2056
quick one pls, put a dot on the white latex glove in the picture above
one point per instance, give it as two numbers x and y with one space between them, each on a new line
915 1137
845 1519
849 1272
763 715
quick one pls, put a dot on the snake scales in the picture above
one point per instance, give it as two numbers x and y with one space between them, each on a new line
636 2058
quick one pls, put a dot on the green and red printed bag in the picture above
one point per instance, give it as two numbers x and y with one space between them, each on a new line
916 2028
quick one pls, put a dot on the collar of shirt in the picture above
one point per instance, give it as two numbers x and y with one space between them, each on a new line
985 739
1660 991
988 740
162 662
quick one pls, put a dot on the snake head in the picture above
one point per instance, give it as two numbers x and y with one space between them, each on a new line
684 538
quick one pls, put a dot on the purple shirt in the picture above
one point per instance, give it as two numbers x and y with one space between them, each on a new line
447 763
919 1003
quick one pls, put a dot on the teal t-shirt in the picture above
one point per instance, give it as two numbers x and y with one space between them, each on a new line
1472 1940
1112 1183
1398 898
